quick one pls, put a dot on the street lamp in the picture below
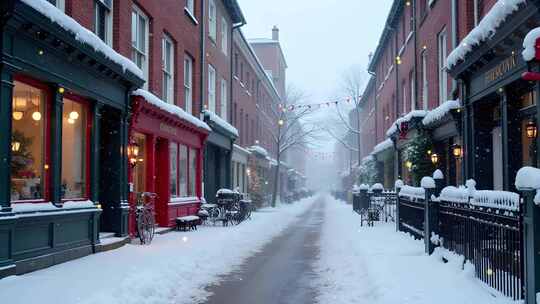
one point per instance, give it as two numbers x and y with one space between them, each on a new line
457 151
133 152
281 122
434 158
531 129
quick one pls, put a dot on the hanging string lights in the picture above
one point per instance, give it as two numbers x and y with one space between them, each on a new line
310 106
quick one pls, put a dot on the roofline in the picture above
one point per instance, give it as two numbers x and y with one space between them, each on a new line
369 86
235 12
271 41
388 29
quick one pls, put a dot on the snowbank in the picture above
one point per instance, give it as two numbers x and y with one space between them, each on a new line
485 29
377 265
82 34
170 108
221 122
175 268
439 112
413 114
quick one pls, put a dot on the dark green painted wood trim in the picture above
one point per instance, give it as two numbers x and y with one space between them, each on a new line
6 92
55 166
94 154
504 118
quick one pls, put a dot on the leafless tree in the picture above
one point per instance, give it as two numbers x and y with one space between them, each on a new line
294 129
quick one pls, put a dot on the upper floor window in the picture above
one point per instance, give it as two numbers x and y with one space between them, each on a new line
188 84
224 99
424 81
211 89
443 76
60 4
412 87
103 20
212 22
190 6
139 41
224 35
476 9
167 66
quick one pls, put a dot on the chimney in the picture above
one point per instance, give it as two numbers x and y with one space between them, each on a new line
275 33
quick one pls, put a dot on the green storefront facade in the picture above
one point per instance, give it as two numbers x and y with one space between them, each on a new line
64 117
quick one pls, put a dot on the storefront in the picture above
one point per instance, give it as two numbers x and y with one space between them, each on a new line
240 168
499 106
259 169
218 156
63 120
166 145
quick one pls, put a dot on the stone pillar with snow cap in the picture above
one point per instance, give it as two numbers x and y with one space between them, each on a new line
528 183
438 176
431 211
397 187
363 197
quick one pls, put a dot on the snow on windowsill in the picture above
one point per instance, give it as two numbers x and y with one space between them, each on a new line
170 108
48 206
485 29
441 111
82 34
221 122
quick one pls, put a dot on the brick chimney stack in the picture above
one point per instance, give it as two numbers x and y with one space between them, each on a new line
275 33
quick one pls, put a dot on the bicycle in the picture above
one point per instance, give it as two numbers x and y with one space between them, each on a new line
144 217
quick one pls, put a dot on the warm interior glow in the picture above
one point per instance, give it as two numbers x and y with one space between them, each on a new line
74 115
15 146
18 115
434 158
36 116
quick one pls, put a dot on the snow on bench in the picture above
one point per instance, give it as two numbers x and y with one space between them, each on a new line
187 222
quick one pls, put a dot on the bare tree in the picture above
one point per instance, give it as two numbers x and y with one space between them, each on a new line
293 129
352 86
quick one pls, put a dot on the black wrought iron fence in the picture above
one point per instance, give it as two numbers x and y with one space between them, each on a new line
386 202
411 215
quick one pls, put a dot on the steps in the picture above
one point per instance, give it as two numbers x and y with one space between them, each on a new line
108 241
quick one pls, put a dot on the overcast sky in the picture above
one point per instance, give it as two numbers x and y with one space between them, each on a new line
320 38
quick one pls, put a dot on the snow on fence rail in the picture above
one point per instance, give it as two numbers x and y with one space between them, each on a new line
412 192
496 199
455 195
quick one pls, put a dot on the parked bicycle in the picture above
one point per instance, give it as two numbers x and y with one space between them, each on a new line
230 208
145 216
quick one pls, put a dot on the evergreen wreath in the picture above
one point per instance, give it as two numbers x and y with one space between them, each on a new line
417 153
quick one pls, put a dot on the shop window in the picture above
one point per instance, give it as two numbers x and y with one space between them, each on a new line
527 145
183 167
193 154
74 150
167 65
527 100
188 84
103 20
139 41
173 156
139 171
27 146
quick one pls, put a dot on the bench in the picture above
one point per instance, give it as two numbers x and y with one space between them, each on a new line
186 223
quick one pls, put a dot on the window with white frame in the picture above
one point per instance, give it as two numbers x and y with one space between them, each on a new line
212 20
139 41
211 88
103 20
190 6
188 84
167 67
412 86
424 81
224 35
443 76
224 99
476 9
60 4
404 96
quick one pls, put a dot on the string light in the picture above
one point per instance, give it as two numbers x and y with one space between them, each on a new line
347 99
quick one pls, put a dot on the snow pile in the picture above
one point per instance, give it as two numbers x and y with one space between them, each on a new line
43 207
441 111
398 184
175 268
221 122
438 174
363 187
170 108
377 187
471 186
82 34
496 199
383 146
528 178
427 182
435 239
485 29
412 192
376 265
529 44
413 114
259 150
455 195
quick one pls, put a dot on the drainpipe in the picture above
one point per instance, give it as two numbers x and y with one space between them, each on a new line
454 35
415 41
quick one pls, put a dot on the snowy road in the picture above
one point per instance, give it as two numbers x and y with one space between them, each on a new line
282 272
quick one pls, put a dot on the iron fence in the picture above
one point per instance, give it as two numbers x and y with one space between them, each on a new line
411 216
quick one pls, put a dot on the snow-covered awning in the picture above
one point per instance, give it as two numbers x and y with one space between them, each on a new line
172 109
214 118
484 30
383 146
82 34
440 112
406 118
258 149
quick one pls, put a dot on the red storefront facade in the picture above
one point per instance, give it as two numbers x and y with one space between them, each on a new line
168 162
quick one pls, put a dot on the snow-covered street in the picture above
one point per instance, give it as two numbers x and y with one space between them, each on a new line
378 265
175 268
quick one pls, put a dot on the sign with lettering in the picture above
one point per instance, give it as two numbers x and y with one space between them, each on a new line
501 69
167 129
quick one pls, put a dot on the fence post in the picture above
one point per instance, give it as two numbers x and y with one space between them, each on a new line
531 245
429 222
397 185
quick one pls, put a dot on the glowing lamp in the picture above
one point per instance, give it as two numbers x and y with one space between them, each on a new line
70 121
15 146
408 164
36 116
434 158
457 151
531 129
74 115
17 115
281 122
133 152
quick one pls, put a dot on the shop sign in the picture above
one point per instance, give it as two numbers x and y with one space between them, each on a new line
501 69
167 129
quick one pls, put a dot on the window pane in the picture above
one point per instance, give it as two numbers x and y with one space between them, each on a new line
142 32
193 171
134 19
183 170
27 148
139 171
174 169
73 150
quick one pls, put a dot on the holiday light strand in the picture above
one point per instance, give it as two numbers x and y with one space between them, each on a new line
315 105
